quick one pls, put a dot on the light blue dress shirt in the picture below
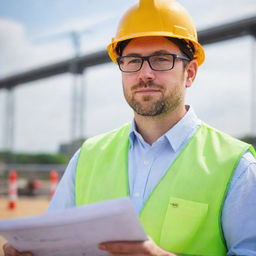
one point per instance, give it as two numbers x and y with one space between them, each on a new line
147 165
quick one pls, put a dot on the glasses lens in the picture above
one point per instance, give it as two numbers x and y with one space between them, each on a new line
161 62
129 63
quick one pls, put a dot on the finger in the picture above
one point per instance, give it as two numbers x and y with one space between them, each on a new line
10 251
26 254
124 247
123 254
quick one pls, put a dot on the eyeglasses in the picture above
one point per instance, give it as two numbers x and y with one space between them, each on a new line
157 62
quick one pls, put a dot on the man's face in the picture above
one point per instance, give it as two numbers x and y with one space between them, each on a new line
149 92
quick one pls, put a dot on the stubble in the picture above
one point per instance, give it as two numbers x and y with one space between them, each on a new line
151 107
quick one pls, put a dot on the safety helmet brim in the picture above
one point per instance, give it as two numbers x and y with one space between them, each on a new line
111 48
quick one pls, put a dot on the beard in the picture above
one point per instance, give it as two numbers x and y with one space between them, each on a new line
148 105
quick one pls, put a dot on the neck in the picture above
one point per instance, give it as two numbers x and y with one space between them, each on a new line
152 128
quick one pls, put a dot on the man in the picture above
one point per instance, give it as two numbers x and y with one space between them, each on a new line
193 187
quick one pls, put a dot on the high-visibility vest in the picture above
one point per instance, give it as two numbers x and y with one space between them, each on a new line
183 213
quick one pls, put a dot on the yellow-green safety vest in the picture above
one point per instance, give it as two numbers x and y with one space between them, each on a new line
183 213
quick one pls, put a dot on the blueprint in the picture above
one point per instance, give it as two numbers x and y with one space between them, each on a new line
76 231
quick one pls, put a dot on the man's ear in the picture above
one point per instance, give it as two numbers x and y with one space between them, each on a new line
191 71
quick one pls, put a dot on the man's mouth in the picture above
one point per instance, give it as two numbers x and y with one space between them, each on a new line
147 90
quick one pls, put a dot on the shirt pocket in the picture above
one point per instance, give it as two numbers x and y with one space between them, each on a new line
182 221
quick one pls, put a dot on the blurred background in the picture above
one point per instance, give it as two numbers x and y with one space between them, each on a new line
58 87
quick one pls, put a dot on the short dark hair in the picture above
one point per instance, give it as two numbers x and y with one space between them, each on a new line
186 47
121 45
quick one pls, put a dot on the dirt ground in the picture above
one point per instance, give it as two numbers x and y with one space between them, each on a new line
25 206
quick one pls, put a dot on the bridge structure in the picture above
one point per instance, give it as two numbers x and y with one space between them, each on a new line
78 64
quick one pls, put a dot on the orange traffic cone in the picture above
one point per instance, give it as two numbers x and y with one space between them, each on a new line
12 190
54 178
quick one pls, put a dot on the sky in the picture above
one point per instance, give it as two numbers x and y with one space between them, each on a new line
35 33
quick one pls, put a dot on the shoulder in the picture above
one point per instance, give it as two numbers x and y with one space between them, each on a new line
221 138
246 168
220 134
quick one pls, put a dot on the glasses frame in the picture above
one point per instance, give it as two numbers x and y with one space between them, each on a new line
147 58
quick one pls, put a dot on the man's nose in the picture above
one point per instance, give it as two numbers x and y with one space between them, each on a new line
146 73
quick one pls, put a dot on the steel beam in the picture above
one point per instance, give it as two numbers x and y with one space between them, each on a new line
228 31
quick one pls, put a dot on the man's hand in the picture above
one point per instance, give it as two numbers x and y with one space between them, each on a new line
10 251
134 248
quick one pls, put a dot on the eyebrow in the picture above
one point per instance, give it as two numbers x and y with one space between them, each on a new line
154 53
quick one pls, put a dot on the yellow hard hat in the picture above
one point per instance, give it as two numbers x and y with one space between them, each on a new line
157 18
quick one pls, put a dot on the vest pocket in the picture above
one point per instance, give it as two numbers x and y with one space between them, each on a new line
182 221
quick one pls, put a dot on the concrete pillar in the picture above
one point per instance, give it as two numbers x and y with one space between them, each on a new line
9 121
82 106
77 107
77 99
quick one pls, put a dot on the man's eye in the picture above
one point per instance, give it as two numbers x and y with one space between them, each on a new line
136 60
162 59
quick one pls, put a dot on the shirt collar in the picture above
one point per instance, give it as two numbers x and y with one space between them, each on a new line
183 129
177 134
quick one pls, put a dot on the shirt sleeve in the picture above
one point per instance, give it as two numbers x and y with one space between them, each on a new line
64 196
239 210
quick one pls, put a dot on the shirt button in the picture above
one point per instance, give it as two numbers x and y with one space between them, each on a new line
146 162
136 194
